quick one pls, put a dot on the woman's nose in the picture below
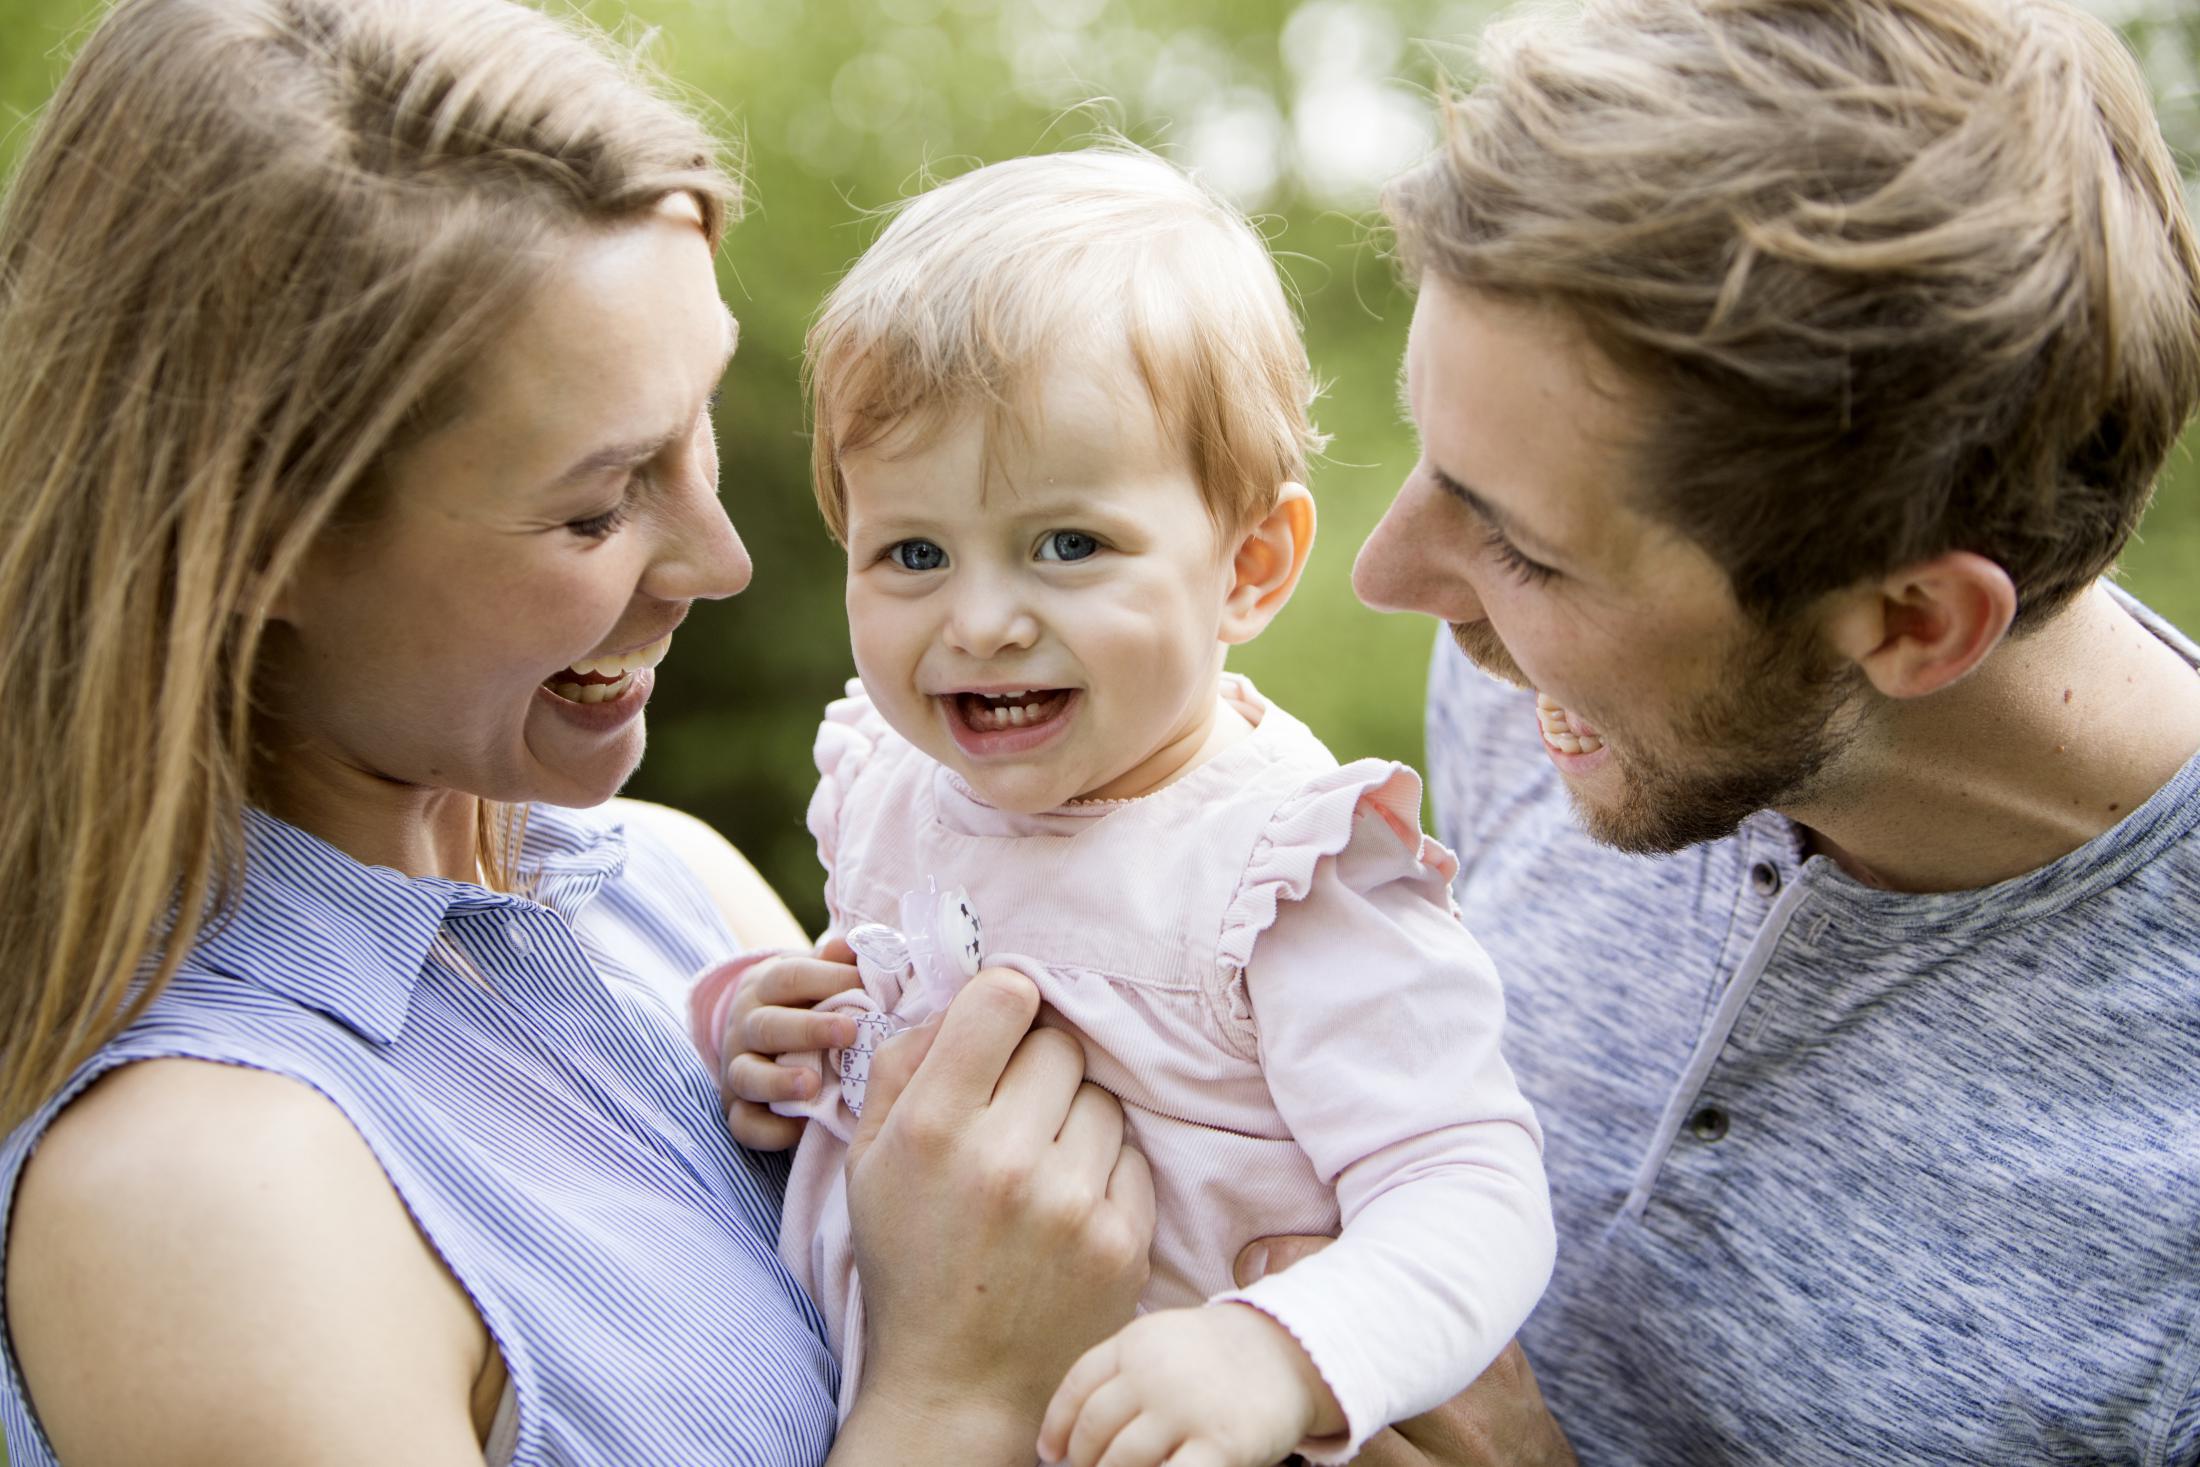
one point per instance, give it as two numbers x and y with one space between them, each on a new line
700 556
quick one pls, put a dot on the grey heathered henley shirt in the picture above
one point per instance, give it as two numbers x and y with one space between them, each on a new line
1846 1175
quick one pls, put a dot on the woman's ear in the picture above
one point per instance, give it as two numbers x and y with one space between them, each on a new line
1267 564
1927 625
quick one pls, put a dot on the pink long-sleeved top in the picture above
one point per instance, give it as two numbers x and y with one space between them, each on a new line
1264 965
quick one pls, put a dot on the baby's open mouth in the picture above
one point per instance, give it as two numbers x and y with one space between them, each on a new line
606 678
992 712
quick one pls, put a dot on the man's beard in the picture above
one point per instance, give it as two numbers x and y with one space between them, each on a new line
1763 735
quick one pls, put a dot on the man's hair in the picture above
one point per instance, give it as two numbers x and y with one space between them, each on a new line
1899 277
979 285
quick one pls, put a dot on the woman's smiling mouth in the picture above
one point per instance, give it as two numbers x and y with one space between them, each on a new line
607 679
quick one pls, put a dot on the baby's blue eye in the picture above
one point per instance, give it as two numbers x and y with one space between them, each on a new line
1068 545
917 555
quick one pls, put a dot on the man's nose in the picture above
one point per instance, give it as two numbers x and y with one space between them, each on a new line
1406 564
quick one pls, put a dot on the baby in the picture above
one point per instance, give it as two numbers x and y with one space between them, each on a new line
1061 413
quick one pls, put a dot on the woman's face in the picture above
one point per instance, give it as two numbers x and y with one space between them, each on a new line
491 630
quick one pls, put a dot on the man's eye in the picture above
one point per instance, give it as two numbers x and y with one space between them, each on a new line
1508 555
917 555
1068 545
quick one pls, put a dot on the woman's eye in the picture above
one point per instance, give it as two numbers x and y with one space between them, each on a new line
1068 545
600 526
917 555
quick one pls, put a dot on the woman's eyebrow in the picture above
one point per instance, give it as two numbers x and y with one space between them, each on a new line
641 450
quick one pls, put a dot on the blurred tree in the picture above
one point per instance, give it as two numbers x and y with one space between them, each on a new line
841 107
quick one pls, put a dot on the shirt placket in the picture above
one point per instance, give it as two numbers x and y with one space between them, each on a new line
1770 899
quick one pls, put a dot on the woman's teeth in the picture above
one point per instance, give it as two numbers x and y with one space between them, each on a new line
606 678
1564 732
991 712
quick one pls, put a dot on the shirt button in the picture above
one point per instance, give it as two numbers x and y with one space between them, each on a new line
1764 878
515 932
1708 1124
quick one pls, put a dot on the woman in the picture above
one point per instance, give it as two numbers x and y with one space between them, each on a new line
355 468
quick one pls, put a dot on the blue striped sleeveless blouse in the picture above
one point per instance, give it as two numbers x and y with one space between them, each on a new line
519 1069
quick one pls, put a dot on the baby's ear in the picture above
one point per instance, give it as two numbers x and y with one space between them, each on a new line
1267 564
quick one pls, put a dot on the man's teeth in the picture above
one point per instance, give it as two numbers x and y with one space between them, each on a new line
1560 730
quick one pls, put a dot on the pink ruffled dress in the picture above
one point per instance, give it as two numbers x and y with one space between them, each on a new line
1264 965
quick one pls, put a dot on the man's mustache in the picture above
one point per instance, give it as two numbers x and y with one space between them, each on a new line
1480 644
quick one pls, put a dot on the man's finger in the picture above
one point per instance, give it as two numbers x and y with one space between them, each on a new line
1264 1256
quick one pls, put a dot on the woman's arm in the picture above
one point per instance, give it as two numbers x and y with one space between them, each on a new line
207 1265
1001 1228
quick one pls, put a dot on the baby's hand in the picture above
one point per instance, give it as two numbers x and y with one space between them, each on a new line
1218 1386
770 1014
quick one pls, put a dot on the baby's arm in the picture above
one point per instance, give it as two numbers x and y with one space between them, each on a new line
1379 1020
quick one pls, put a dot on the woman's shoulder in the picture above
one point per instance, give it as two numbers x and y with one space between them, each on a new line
751 909
235 1215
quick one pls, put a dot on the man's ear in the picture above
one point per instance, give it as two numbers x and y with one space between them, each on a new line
1267 564
1926 626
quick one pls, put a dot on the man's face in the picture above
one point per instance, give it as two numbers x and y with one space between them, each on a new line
1670 714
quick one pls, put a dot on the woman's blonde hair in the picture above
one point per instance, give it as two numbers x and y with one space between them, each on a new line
978 284
1898 277
249 253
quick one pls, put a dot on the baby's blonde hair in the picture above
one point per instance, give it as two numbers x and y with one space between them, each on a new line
977 285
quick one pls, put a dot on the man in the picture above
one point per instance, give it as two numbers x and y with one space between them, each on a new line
1788 373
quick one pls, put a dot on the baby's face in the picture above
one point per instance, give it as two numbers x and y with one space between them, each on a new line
1045 617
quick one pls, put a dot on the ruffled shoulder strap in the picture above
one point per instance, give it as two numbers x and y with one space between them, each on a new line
1371 807
850 733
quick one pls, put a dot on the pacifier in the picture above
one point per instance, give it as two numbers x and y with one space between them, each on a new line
914 972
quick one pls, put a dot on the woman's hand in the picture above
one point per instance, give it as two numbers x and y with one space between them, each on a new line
1001 1227
1499 1421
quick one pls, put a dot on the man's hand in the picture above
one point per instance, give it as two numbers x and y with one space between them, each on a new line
1500 1419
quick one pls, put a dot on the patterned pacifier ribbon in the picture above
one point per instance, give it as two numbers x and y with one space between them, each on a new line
912 974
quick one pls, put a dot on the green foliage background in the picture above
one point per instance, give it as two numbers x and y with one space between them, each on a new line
841 106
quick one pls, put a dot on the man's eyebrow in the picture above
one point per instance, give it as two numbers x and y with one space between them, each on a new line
641 450
1489 513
